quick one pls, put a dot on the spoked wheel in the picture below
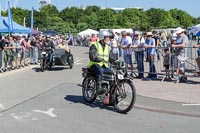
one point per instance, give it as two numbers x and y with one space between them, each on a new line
42 64
89 89
124 96
70 61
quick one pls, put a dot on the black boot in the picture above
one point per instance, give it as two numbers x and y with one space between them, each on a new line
99 88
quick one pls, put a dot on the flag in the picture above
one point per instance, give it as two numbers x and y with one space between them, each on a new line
10 22
32 20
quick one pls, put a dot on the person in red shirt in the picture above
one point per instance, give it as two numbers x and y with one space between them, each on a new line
94 39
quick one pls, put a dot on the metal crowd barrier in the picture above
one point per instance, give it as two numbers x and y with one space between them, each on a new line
191 60
1 60
8 59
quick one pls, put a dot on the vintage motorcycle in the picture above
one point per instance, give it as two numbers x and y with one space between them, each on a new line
119 91
60 58
45 60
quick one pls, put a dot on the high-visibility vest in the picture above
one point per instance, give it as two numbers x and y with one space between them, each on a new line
101 54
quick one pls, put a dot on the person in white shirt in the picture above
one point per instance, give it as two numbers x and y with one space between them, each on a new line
138 46
126 43
114 46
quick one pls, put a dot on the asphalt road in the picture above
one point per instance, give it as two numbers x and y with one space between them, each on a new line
36 102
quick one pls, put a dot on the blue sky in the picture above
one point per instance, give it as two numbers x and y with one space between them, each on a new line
190 6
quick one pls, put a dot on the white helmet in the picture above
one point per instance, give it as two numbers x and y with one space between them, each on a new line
103 34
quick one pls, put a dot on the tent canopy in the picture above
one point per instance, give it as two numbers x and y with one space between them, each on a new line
16 27
35 32
88 32
196 30
119 30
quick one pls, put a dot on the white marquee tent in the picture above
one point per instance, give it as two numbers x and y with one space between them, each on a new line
120 30
88 32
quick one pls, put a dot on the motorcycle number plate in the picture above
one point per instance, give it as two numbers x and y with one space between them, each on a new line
43 52
120 76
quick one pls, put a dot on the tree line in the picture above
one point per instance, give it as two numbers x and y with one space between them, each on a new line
76 19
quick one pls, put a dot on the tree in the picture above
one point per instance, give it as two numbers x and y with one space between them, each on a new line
196 21
106 18
75 19
182 17
159 18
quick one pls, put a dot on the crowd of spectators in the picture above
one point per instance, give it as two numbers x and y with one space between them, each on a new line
18 50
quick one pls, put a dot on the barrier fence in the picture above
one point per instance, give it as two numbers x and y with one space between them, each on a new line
12 58
166 61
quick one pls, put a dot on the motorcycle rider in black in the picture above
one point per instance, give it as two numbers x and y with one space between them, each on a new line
49 46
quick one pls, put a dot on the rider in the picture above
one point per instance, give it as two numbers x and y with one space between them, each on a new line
100 55
48 45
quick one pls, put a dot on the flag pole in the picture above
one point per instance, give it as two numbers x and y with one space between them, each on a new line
10 21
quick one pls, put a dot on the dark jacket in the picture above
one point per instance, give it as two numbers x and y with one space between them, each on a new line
47 45
93 53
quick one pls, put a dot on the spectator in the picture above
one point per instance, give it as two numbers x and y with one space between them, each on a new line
138 44
126 43
180 53
198 58
93 39
34 52
150 45
23 44
198 46
157 43
18 50
12 52
114 46
164 38
119 44
166 62
5 52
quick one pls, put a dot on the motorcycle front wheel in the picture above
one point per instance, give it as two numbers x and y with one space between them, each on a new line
42 64
124 96
89 89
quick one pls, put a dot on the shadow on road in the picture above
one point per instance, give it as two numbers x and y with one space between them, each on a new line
95 104
38 69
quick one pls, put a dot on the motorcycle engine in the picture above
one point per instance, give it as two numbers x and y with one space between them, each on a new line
105 86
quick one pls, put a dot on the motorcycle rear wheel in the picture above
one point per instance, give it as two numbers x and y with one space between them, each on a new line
89 89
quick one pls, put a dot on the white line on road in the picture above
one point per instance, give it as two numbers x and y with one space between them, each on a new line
34 119
1 107
15 116
77 61
83 58
191 104
48 112
78 64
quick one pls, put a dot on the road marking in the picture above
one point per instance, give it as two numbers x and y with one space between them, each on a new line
77 61
48 112
83 58
191 104
15 116
78 64
1 107
25 115
34 119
